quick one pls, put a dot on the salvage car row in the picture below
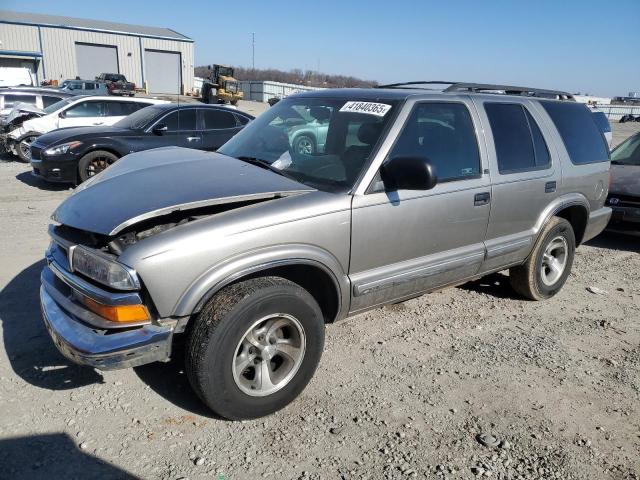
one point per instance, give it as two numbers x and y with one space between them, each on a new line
108 128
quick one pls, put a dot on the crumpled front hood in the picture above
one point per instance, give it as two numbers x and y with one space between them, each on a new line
21 109
157 182
625 179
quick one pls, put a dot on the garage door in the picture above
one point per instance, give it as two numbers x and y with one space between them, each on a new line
162 71
96 59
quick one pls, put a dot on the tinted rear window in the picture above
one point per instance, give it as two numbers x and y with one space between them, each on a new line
583 139
602 121
519 143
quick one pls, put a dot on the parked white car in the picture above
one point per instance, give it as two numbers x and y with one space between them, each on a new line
84 111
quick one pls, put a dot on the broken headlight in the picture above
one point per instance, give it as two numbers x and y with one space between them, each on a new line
101 268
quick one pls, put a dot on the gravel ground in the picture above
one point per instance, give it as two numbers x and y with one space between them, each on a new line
411 390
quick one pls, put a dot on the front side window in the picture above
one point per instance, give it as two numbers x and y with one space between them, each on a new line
86 109
582 138
519 143
628 152
444 135
323 142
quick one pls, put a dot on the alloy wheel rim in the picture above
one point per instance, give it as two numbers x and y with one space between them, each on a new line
25 147
554 260
305 146
97 165
269 355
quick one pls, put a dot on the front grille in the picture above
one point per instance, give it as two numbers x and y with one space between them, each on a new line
615 200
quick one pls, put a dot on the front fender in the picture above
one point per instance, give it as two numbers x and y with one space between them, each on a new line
230 270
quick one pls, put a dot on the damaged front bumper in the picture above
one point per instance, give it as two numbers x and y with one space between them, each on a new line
79 335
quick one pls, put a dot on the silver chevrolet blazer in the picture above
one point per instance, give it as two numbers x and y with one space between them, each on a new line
242 256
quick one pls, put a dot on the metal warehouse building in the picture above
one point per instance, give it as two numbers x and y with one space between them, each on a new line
58 48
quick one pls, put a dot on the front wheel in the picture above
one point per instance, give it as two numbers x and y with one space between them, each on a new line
549 265
254 347
24 148
93 163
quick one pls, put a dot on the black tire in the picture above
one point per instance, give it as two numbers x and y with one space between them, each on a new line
304 144
93 163
22 147
213 342
534 279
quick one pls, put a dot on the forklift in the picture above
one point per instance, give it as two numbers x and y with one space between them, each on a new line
221 87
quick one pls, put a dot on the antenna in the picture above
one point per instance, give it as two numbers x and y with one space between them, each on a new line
253 50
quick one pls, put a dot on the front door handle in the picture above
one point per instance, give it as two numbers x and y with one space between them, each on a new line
193 139
481 199
550 187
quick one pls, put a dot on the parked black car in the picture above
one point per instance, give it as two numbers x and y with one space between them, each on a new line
75 154
624 191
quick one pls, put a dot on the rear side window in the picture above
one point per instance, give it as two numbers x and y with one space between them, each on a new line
215 119
519 143
242 120
121 109
48 100
581 136
184 119
444 134
11 100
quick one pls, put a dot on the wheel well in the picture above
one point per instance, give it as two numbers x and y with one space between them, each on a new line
577 216
314 280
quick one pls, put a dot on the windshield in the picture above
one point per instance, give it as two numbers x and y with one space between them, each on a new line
628 152
54 107
140 119
321 142
225 71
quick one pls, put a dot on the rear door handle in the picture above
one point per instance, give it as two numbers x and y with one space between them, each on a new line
192 139
550 187
481 199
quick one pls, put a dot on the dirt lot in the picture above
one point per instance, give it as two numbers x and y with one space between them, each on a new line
402 391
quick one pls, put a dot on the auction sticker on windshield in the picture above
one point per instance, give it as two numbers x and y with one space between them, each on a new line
372 108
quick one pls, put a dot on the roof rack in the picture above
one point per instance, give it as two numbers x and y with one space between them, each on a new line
509 90
488 88
410 84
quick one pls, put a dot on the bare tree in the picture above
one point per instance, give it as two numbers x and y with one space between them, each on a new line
295 76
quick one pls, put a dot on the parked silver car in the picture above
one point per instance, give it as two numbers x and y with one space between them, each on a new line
247 253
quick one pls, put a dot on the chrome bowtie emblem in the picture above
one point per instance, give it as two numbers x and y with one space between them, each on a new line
614 201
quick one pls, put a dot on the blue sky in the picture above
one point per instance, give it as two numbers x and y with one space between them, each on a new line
576 45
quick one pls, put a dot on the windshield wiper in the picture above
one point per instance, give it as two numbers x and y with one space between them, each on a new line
617 162
267 166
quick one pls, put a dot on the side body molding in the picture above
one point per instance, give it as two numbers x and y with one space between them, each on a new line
230 270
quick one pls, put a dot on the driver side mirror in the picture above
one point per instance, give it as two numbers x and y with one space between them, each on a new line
160 128
408 173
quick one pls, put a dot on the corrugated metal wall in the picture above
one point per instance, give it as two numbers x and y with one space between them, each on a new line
59 52
263 91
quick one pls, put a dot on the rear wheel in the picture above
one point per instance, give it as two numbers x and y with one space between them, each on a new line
24 148
304 144
254 347
549 265
93 163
